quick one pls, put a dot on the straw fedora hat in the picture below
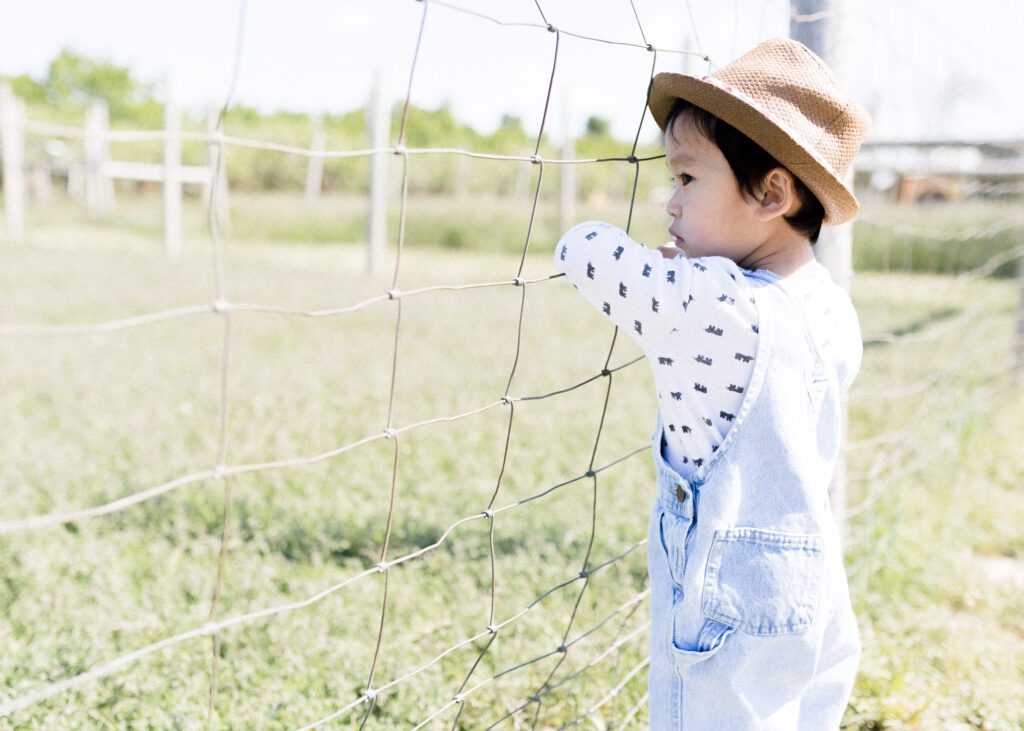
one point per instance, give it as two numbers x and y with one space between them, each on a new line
784 98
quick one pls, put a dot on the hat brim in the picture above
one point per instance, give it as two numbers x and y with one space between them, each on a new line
838 200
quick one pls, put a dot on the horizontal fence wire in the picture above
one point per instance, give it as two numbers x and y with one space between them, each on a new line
370 695
461 697
221 307
221 472
54 130
642 665
901 451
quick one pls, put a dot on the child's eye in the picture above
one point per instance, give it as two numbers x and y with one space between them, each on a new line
682 179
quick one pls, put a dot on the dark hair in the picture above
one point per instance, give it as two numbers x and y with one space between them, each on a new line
750 163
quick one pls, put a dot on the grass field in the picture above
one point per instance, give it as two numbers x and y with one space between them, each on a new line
936 548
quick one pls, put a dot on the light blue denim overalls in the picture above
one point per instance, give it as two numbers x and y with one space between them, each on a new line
752 626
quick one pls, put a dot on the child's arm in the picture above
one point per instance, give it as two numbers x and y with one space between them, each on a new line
644 291
636 287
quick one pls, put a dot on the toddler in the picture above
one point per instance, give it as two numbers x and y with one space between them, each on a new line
752 348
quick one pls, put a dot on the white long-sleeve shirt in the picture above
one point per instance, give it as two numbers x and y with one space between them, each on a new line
695 320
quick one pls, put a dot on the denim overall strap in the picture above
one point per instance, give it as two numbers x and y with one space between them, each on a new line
751 622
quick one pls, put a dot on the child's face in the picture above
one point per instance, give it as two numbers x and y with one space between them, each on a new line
710 215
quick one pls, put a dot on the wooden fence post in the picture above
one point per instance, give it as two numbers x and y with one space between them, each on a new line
172 177
12 130
378 124
99 188
315 165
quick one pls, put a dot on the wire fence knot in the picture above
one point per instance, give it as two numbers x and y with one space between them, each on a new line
518 282
220 472
368 695
459 697
220 306
650 48
489 514
492 629
399 150
390 433
552 29
584 574
382 567
506 401
590 473
563 649
605 372
394 294
536 159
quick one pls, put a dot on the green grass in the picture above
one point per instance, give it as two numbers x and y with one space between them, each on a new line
935 549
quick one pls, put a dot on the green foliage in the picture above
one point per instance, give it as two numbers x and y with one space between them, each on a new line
27 88
510 138
77 80
74 81
598 127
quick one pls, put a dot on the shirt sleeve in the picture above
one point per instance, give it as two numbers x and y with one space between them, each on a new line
636 287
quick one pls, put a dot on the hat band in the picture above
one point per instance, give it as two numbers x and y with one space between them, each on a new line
729 89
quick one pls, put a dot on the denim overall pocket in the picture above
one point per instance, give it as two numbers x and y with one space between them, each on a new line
763 583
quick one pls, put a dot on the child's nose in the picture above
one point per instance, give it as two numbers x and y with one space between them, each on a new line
672 206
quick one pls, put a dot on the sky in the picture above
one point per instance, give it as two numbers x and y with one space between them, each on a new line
924 69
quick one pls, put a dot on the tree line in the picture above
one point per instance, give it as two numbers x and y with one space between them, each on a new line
72 81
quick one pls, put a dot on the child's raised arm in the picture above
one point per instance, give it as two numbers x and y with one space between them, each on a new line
644 291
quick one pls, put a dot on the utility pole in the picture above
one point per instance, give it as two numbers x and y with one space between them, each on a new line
822 26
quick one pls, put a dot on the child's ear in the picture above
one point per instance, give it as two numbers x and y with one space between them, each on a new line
778 194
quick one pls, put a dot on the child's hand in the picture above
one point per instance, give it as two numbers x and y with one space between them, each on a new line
670 251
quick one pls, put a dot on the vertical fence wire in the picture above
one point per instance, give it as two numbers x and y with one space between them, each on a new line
369 693
213 223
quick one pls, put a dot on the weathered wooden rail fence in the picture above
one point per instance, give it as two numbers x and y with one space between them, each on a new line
90 173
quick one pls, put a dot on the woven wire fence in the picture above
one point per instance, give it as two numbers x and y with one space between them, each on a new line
621 623
588 659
